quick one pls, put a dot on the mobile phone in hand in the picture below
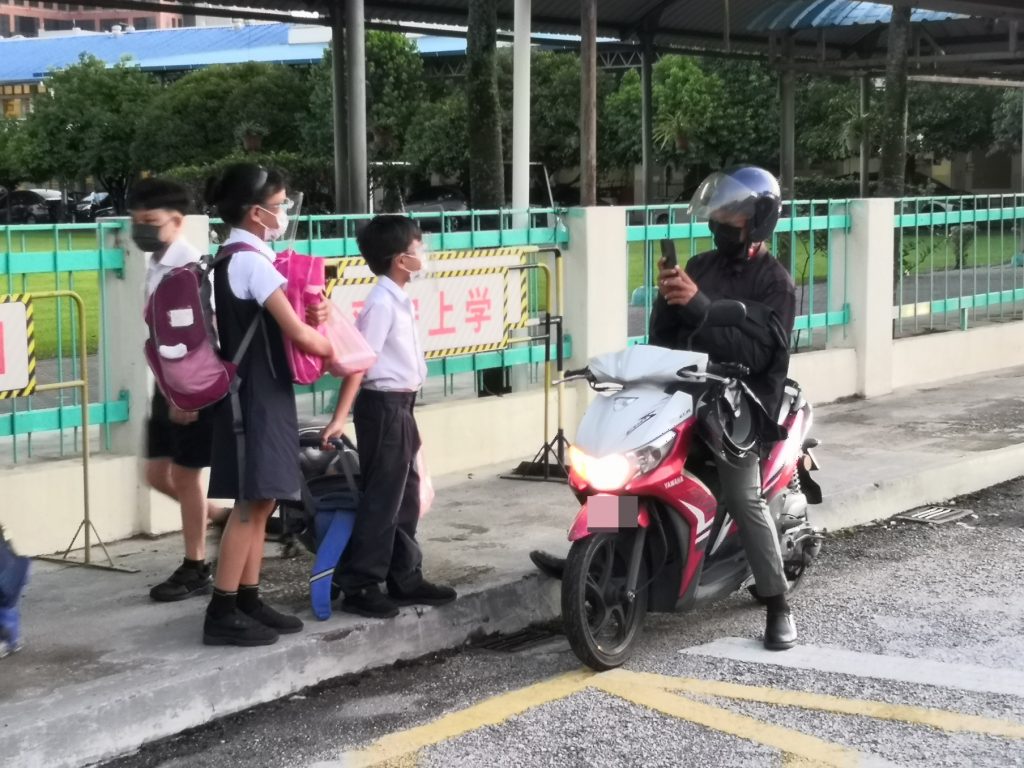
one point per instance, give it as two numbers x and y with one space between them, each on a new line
668 254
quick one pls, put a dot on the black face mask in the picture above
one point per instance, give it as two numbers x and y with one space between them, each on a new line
728 239
147 237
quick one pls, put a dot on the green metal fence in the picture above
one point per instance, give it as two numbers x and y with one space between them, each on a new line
83 257
75 257
958 262
811 240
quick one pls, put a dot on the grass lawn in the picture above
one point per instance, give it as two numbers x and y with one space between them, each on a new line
86 284
925 253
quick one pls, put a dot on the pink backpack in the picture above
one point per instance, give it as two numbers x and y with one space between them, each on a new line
351 352
182 349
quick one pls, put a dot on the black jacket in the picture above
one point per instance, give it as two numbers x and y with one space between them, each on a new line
761 343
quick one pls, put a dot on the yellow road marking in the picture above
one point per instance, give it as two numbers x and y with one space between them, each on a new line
492 711
653 696
661 693
880 710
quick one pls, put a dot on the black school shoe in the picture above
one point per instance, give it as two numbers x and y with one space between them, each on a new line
184 583
237 628
424 593
370 603
779 631
281 623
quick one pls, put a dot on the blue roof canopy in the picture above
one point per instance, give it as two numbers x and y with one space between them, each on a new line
818 14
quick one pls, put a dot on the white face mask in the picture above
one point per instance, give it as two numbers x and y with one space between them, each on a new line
424 268
276 233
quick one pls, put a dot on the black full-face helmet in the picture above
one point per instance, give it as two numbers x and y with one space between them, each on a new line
746 191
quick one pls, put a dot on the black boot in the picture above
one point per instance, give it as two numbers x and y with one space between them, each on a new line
549 565
779 631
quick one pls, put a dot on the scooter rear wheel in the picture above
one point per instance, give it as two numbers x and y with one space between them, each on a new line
600 620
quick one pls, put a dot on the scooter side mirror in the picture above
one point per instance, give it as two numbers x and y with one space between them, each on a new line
726 312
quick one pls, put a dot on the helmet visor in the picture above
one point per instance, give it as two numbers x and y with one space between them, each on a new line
722 197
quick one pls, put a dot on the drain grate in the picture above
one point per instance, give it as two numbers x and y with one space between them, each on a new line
935 515
518 641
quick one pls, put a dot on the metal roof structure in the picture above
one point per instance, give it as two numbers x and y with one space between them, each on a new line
951 36
27 60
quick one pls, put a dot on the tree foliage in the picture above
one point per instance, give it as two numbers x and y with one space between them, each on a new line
947 119
85 123
486 164
12 152
394 93
1006 120
194 120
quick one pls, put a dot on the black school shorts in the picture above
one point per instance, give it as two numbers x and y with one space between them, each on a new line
187 445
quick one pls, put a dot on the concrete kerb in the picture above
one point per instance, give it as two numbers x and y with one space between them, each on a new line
930 485
119 714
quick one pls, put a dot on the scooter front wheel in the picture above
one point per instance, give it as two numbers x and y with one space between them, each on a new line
602 621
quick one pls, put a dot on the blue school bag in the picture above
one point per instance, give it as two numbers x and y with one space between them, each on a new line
326 512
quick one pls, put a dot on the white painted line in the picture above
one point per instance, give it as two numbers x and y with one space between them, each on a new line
967 677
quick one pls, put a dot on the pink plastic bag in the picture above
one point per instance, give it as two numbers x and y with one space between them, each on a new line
352 355
426 484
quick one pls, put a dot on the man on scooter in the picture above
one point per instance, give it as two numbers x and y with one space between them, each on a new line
742 206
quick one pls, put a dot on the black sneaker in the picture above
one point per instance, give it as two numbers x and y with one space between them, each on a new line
184 583
282 623
236 628
423 594
371 603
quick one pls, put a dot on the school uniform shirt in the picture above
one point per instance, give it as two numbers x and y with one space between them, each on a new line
271 460
180 253
388 323
251 273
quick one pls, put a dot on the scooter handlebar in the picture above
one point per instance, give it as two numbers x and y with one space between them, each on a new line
728 370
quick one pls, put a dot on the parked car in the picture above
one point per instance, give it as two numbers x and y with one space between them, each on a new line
438 199
93 206
30 206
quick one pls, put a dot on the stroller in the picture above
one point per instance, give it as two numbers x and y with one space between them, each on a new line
322 519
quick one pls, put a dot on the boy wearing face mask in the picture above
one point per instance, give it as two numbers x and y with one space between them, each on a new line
383 545
177 443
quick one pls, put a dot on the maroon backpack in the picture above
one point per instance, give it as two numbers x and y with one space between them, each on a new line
182 349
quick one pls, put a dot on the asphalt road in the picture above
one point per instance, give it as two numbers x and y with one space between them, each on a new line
912 654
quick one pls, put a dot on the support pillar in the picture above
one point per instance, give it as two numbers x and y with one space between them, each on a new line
338 93
869 290
521 111
647 119
355 34
865 138
787 154
588 102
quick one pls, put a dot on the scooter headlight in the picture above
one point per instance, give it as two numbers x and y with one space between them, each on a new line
614 472
607 473
649 457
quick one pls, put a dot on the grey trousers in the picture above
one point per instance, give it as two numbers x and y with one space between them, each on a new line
741 494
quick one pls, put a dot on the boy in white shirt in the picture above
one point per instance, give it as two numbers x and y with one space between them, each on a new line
177 443
383 546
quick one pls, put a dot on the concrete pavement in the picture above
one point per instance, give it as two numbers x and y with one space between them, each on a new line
105 670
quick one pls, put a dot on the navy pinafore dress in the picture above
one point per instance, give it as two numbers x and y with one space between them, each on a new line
268 406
